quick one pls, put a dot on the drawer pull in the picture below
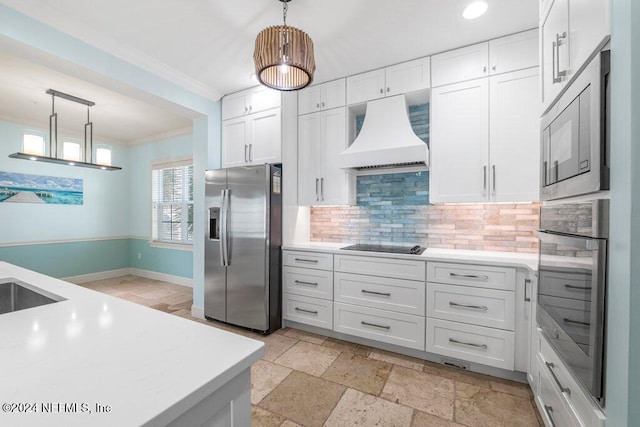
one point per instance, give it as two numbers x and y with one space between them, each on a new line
454 341
300 282
374 325
576 322
475 307
469 276
384 294
315 261
549 410
306 311
580 288
550 366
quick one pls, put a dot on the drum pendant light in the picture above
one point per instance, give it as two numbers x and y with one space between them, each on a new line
284 56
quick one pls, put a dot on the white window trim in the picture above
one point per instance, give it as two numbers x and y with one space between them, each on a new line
165 164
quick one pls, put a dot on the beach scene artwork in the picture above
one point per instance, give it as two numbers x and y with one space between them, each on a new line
24 188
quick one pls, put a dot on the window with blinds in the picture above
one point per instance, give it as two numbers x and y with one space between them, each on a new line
172 203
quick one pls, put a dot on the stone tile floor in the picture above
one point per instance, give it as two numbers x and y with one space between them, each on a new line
310 380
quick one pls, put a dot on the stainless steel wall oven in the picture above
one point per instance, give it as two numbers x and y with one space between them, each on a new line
572 286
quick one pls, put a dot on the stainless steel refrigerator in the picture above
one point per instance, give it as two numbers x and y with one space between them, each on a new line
242 246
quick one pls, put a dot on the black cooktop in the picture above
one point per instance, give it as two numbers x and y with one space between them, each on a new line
412 250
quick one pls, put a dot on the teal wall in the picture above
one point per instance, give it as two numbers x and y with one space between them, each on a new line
162 260
623 308
70 258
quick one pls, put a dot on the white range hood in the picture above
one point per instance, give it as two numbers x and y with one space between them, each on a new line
386 140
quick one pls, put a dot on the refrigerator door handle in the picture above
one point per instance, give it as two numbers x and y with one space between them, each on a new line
224 242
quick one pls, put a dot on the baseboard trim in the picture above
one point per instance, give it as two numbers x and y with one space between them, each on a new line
148 274
176 280
197 312
101 275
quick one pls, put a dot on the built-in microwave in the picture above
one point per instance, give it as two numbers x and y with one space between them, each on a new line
572 272
575 135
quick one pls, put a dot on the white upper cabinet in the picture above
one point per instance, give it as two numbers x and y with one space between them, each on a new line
321 138
249 101
408 76
485 140
459 142
590 26
459 65
572 31
514 134
235 134
322 97
365 87
397 79
265 143
555 50
252 140
515 52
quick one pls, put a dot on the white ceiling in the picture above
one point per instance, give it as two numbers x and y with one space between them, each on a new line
207 45
116 118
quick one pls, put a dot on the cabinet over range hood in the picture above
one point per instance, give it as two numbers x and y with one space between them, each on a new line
386 142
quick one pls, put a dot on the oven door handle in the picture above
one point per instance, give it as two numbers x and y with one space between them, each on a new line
582 243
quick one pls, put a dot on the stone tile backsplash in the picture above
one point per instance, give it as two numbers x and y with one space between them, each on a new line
395 209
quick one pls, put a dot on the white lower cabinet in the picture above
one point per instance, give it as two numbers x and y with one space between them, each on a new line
307 282
381 325
482 307
404 296
488 346
311 311
557 389
307 288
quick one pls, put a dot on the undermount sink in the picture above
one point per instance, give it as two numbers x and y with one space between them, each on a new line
17 295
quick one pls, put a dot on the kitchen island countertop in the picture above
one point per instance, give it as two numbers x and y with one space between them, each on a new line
97 351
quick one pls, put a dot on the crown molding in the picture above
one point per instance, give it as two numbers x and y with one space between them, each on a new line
160 136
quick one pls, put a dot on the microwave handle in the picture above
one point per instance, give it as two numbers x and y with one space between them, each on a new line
585 244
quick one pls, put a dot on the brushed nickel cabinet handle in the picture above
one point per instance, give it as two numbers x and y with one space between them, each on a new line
469 276
301 282
375 326
575 322
250 152
475 307
315 261
317 192
549 410
383 294
580 288
305 311
493 176
484 187
559 38
526 282
245 152
563 389
322 189
470 344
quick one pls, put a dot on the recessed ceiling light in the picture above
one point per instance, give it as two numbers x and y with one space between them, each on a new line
475 10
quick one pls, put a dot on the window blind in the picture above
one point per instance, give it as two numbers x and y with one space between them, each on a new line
172 203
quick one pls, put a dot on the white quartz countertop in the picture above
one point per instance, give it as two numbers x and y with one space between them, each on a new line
509 259
148 366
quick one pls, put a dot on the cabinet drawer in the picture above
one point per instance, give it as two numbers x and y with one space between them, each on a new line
482 307
479 276
478 344
307 282
385 267
553 408
576 398
317 260
381 325
310 311
404 296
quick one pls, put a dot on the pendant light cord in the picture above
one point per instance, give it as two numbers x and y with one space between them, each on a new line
285 8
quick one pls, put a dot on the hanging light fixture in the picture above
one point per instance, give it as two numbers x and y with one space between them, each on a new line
53 137
284 56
